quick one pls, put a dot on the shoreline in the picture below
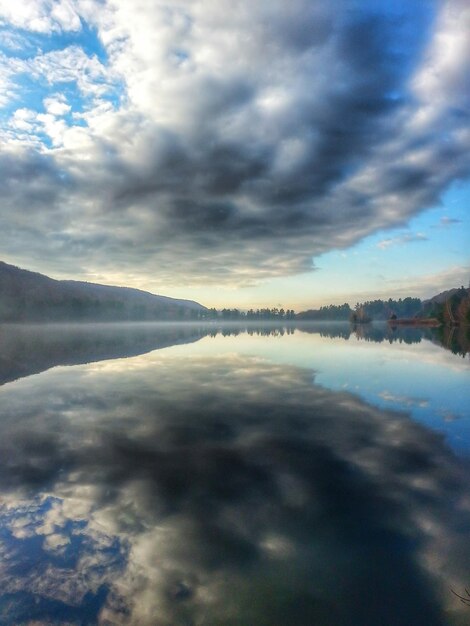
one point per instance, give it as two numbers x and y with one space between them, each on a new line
415 322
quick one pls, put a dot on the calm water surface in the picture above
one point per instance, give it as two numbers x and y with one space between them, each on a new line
159 475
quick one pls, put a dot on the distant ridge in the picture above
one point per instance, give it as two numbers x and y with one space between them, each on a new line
451 307
30 296
444 295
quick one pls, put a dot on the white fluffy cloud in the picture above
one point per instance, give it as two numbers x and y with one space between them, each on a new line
41 16
401 239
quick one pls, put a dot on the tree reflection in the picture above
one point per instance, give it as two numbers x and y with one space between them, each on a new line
30 349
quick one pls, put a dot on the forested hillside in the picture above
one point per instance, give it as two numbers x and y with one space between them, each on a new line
450 307
28 296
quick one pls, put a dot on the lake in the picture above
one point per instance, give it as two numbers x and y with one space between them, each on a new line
186 475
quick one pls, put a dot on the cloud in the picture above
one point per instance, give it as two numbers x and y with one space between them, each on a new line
403 400
429 284
216 149
447 221
57 106
400 240
415 284
42 16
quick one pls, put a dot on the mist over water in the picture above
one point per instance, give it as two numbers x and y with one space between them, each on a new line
205 475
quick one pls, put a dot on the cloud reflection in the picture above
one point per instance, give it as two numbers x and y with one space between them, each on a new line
223 490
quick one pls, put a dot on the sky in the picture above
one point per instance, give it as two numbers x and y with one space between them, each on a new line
238 153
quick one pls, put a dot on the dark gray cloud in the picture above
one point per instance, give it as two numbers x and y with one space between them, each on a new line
251 138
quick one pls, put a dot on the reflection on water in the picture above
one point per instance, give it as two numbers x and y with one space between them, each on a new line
216 482
30 349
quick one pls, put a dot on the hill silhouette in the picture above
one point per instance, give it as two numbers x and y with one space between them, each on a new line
29 296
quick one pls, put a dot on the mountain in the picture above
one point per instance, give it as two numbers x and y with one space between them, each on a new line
28 296
451 307
440 298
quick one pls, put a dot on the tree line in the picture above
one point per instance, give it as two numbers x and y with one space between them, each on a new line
251 314
371 309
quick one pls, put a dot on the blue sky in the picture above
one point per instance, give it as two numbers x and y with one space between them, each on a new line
242 155
419 258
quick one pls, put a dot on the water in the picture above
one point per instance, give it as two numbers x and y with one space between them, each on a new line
264 476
